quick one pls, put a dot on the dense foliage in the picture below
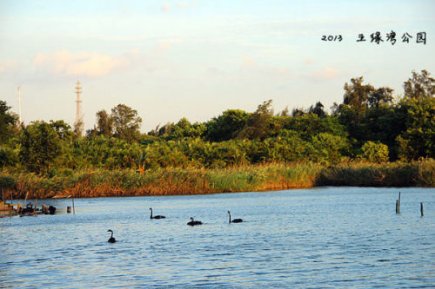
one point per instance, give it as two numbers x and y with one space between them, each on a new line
370 124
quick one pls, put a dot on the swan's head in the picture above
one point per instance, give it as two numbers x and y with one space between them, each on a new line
229 212
110 231
151 209
191 218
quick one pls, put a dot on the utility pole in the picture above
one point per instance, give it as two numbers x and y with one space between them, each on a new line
19 104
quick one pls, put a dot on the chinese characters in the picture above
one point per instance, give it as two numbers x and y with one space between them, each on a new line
379 38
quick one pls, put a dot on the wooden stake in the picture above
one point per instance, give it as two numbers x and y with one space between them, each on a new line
398 205
74 209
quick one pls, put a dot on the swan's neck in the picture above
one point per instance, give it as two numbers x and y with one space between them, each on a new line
111 234
151 216
229 217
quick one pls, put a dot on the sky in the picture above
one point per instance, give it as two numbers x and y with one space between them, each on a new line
197 58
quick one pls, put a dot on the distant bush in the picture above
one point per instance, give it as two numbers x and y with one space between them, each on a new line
375 152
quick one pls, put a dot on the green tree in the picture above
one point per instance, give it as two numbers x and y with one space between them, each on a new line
288 146
8 156
182 129
354 107
226 126
418 138
259 123
383 124
317 109
40 145
328 148
420 85
126 123
362 112
311 124
7 184
380 97
356 94
104 123
8 122
298 112
375 152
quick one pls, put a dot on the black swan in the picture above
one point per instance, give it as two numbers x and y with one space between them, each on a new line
235 220
111 239
155 217
193 222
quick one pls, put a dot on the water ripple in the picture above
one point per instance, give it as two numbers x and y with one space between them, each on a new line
322 238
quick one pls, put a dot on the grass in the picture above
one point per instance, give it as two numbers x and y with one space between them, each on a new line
419 173
177 181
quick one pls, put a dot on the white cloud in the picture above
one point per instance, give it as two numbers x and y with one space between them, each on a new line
248 62
87 64
6 65
308 61
178 5
166 8
326 73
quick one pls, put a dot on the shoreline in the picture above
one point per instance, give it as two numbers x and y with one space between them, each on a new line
200 181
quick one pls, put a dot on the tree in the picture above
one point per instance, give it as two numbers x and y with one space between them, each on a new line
380 97
259 123
285 112
226 126
362 108
317 109
289 147
375 152
328 148
7 184
8 121
126 123
418 138
62 129
40 145
311 124
297 112
8 156
104 123
356 94
420 85
78 128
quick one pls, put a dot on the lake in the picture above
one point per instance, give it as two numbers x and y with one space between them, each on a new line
330 237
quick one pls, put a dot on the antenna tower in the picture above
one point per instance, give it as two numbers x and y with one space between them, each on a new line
78 125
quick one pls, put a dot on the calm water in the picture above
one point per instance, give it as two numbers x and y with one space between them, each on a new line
319 238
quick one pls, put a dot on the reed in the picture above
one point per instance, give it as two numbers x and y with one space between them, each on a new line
185 181
419 173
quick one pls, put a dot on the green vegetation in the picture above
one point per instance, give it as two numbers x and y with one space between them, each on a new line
371 138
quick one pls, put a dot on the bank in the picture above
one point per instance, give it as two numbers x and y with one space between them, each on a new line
190 181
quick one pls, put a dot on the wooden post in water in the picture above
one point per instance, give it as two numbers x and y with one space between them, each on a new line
74 209
398 205
421 210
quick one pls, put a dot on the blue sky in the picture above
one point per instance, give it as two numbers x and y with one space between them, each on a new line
197 58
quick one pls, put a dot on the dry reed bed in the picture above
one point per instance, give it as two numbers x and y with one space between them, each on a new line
178 181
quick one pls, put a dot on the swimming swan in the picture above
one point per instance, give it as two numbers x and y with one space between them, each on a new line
111 239
155 217
193 222
235 220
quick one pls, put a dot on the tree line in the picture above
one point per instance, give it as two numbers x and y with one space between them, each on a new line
370 124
